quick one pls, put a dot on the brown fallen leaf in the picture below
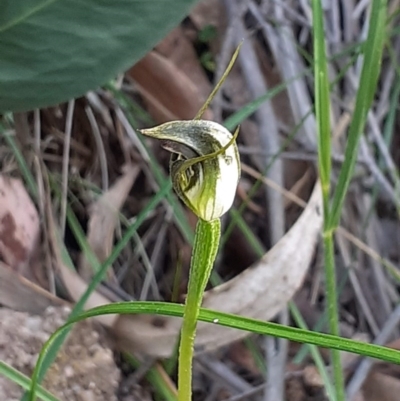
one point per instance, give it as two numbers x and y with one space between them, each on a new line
381 387
179 49
207 12
301 185
19 225
100 237
103 219
73 283
18 293
242 356
169 93
312 377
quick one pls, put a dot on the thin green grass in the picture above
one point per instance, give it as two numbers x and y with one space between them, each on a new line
227 320
24 381
19 157
372 53
373 49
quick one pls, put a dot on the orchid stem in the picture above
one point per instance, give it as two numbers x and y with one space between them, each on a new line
205 249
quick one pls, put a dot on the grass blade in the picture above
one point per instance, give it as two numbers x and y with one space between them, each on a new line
322 112
24 381
373 48
227 320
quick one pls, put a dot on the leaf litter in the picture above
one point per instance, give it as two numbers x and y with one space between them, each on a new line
19 225
171 83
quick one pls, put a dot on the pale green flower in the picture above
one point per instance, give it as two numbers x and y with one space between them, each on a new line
205 164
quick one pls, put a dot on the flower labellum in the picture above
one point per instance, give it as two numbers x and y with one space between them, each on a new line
205 164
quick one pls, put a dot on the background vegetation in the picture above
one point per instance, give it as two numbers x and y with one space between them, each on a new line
315 91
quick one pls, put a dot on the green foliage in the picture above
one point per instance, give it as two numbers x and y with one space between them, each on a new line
24 381
372 53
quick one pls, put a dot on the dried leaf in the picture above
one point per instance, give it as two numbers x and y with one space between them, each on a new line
179 49
100 237
311 377
242 356
103 219
18 293
170 94
381 387
207 12
73 283
19 225
76 287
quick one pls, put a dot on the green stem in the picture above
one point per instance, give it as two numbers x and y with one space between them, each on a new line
332 309
205 249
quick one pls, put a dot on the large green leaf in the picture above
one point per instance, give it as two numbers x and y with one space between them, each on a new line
54 50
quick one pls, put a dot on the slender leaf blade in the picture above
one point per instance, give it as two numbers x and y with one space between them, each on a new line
373 48
227 320
322 103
